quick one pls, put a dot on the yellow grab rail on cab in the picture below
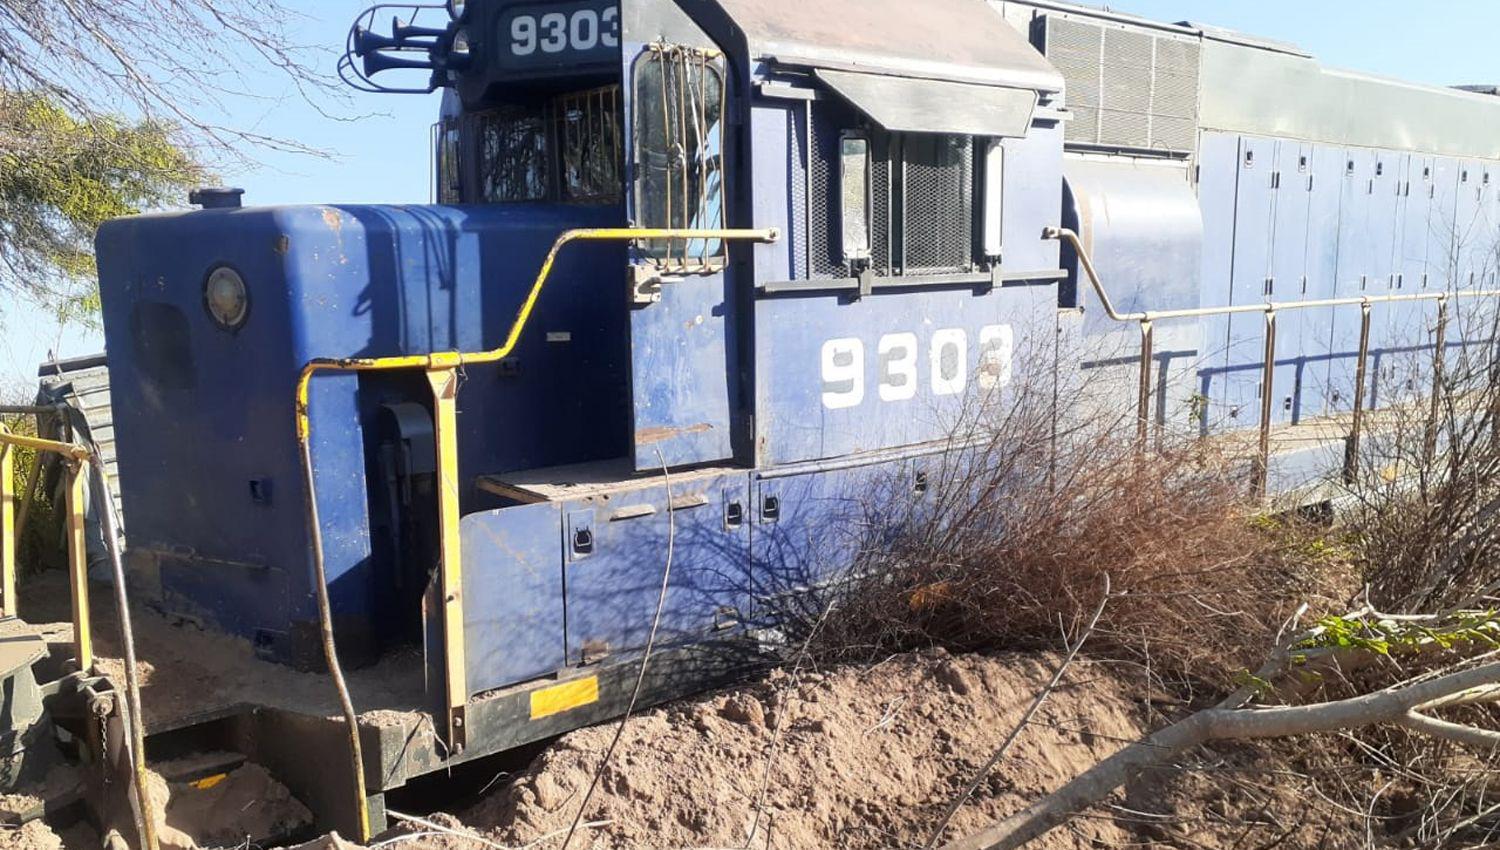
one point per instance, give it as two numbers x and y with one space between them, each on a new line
442 375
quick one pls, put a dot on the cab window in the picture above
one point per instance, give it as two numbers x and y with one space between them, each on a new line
514 155
679 120
567 148
588 140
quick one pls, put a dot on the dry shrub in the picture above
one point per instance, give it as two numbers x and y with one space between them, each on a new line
1025 525
1424 509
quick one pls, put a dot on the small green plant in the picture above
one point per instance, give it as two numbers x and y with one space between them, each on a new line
1197 408
1388 636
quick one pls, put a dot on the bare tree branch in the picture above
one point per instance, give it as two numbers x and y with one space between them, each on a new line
1391 706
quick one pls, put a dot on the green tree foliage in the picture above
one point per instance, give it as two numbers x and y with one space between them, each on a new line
61 176
181 71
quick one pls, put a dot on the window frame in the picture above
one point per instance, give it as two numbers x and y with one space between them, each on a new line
448 145
865 254
713 255
483 165
611 115
904 223
991 200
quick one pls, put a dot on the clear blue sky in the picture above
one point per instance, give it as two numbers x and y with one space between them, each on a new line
383 156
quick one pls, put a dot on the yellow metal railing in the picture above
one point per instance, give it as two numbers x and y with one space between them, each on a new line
1270 309
78 460
442 371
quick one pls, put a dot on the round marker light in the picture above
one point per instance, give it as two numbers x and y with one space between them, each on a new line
227 299
455 9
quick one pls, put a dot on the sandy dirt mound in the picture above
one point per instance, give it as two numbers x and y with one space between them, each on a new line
33 836
187 672
868 757
225 810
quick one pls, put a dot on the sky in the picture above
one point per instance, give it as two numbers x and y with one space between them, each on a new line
379 151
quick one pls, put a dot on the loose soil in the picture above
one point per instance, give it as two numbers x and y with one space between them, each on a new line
222 810
226 810
853 757
856 757
187 672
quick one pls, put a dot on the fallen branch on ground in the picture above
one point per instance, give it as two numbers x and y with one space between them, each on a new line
1407 705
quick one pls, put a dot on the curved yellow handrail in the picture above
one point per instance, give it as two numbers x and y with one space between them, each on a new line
449 360
453 359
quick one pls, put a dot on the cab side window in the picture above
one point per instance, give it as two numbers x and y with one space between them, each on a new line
679 152
449 175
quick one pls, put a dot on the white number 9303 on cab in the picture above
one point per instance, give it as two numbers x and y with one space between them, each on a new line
900 365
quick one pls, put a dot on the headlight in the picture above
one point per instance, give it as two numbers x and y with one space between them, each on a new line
455 9
461 47
225 297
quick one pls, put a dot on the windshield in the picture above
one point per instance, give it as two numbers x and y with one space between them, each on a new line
567 148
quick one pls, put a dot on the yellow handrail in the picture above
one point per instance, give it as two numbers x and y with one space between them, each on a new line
454 359
78 459
442 374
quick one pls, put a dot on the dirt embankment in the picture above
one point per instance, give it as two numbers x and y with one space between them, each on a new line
188 672
865 757
854 757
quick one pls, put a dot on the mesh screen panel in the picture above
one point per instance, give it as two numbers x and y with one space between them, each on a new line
880 207
797 171
939 225
1174 96
1126 88
936 200
823 210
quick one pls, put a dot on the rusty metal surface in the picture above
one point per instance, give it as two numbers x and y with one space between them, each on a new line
961 40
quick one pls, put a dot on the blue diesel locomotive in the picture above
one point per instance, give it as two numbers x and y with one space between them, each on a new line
697 270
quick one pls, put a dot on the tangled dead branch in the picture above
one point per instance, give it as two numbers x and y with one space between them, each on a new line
1408 705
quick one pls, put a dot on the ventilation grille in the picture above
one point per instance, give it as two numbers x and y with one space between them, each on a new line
880 211
797 170
823 210
922 202
1126 88
939 222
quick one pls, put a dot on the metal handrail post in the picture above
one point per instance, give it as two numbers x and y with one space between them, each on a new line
1440 343
1352 445
444 383
78 565
8 606
1267 382
1143 400
76 457
79 459
27 498
1351 451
